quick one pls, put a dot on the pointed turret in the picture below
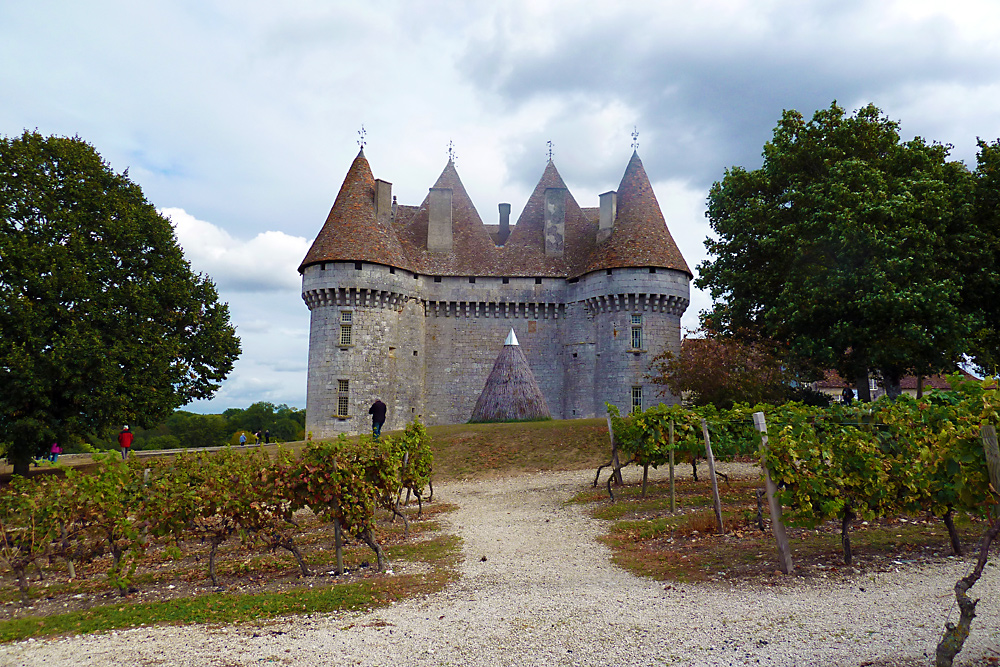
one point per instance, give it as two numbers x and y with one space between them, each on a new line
446 236
511 392
639 236
552 236
356 230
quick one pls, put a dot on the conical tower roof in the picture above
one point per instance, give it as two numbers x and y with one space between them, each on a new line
524 251
640 236
352 232
511 392
472 252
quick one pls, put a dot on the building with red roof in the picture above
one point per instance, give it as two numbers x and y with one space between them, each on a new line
411 304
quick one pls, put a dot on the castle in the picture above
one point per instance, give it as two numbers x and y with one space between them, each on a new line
411 304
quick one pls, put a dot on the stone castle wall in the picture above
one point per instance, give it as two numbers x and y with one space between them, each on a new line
425 345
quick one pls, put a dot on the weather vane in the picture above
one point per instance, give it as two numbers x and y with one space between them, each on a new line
451 151
361 137
635 138
549 144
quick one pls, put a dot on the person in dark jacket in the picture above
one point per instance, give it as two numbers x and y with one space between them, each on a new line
377 411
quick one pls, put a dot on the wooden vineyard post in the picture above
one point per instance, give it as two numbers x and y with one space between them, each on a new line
992 459
711 473
616 470
777 527
673 498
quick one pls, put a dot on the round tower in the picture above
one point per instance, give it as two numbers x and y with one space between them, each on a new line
365 335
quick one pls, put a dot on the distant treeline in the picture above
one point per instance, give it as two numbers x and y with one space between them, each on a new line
187 430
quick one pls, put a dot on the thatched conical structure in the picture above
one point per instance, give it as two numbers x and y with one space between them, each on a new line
511 393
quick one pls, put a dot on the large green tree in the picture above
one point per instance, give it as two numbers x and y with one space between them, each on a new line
848 244
983 286
102 321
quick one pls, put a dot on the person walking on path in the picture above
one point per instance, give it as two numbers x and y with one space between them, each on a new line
125 441
256 437
377 411
243 439
267 437
54 452
847 396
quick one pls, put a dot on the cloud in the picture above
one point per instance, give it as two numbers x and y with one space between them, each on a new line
267 262
706 82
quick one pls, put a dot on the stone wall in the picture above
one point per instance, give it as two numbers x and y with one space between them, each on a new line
425 345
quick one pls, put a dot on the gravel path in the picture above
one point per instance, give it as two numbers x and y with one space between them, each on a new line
547 595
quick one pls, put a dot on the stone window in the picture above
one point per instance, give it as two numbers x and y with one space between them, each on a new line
343 397
346 324
636 399
636 331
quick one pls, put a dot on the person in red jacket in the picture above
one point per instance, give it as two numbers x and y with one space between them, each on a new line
125 441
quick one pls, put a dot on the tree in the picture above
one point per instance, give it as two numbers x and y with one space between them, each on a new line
723 370
983 290
102 321
849 245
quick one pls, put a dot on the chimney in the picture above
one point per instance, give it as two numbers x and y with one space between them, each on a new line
609 211
439 232
383 201
504 224
555 221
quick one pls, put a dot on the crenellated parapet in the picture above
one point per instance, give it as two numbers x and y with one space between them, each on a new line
654 303
354 297
495 309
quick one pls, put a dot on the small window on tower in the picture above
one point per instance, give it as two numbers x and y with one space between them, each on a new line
343 397
636 399
636 331
346 325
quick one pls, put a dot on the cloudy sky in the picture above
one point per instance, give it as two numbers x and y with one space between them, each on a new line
240 118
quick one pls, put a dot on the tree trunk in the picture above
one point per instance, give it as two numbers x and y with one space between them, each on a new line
955 636
288 544
920 386
864 389
368 539
22 584
890 380
645 479
956 542
406 522
845 534
211 561
694 467
21 466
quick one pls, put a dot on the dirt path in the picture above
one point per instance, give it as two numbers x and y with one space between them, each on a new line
546 594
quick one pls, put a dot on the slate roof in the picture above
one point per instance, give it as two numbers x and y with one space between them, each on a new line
472 251
833 380
351 232
640 237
